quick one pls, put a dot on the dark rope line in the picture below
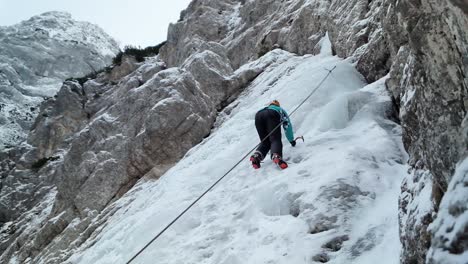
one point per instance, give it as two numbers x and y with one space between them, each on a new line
232 168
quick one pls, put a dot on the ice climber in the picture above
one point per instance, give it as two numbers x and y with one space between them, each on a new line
266 120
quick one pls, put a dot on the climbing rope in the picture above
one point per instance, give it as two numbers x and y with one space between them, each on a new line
232 168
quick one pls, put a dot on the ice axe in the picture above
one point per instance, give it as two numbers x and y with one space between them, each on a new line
300 137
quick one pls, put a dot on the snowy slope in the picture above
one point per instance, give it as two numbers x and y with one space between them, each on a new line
341 187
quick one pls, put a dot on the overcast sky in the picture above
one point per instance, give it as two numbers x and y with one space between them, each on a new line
135 22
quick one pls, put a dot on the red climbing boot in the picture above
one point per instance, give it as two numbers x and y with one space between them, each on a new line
278 161
256 158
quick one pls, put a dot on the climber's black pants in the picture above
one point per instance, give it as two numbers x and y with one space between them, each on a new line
265 121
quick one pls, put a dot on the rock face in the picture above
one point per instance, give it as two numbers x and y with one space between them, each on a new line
428 82
36 56
434 66
91 143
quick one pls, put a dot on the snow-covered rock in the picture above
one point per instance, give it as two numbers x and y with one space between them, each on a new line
416 209
36 56
138 119
449 230
110 148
